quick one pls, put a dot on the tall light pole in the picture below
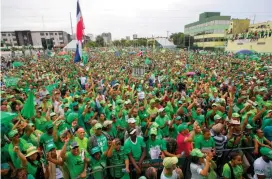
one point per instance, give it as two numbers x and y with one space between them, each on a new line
167 34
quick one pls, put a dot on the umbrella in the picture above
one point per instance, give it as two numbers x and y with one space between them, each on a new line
62 53
190 73
245 52
6 117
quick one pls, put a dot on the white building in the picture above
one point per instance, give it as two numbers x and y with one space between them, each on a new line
34 38
8 37
59 38
107 37
135 36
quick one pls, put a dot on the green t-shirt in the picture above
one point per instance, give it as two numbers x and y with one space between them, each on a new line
199 118
197 137
152 111
161 121
31 139
102 142
96 165
32 169
40 123
14 158
135 148
45 139
82 143
156 143
118 158
174 131
237 170
201 143
75 164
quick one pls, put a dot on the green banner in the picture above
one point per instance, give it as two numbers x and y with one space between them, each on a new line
12 81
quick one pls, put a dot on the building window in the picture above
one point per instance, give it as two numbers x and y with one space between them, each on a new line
4 35
8 34
14 39
41 33
61 38
51 33
61 43
55 33
13 34
46 33
5 39
60 33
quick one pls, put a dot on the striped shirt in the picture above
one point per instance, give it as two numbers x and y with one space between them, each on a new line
220 141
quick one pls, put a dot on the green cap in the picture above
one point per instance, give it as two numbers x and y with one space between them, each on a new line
197 153
178 118
74 104
153 131
71 117
182 127
50 146
12 133
98 126
77 96
49 125
235 115
265 151
216 117
248 126
95 150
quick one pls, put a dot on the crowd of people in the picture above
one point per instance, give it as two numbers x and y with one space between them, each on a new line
190 115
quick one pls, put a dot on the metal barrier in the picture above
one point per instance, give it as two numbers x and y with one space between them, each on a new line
156 163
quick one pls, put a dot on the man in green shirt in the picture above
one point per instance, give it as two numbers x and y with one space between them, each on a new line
98 139
135 147
16 141
76 163
81 139
206 142
48 136
29 135
163 120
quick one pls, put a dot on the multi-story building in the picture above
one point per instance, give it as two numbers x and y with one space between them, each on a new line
106 37
127 37
209 30
35 38
135 36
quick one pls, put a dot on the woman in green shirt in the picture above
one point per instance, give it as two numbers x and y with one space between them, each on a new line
32 162
233 169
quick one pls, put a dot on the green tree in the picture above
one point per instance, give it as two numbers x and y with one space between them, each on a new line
99 41
91 44
116 43
178 39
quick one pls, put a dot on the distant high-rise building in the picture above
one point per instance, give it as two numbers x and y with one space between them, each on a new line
135 36
127 37
107 37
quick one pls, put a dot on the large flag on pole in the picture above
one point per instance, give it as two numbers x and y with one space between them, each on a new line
79 34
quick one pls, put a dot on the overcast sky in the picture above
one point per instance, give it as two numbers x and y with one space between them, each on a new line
124 17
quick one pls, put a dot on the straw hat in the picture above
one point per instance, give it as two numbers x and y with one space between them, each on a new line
31 150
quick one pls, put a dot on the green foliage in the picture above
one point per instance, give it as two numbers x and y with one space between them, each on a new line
99 41
91 44
177 38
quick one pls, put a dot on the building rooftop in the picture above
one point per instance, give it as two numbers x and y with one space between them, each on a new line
207 17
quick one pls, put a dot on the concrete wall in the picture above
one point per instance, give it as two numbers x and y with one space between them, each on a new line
262 45
238 26
210 44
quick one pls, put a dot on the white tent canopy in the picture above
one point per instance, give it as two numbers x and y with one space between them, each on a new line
71 46
165 43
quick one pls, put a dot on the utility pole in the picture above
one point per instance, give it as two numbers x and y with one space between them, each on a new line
43 22
167 34
71 24
254 19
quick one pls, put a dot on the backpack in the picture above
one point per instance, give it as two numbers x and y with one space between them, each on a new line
93 141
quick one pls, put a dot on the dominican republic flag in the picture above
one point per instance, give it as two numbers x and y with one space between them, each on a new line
79 34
